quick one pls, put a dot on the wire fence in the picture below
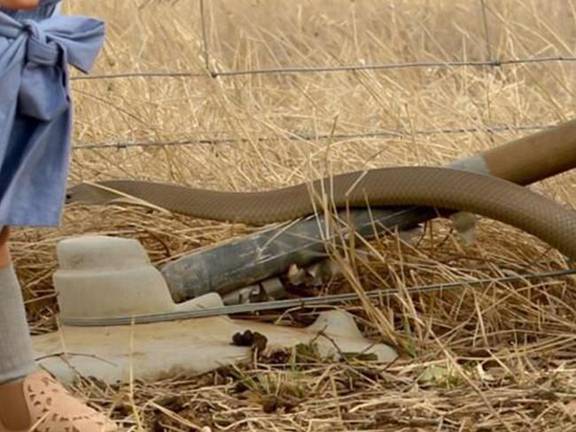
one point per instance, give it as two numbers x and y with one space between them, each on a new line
293 136
210 73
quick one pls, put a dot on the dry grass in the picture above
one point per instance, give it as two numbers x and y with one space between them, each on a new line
496 358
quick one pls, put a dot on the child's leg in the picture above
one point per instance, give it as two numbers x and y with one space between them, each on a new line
16 356
26 396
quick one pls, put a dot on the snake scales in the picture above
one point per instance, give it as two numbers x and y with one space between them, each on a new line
441 188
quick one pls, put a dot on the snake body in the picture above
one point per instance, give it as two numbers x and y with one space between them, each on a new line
442 188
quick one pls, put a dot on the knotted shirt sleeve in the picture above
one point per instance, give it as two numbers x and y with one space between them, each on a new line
35 111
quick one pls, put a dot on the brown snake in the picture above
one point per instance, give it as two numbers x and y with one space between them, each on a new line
442 188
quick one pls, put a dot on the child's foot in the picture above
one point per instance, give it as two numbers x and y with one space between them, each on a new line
41 403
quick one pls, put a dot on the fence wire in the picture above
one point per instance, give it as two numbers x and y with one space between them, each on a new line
330 69
209 73
317 137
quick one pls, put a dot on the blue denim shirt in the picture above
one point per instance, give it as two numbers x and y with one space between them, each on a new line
36 48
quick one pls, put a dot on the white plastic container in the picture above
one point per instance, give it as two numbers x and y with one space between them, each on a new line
102 276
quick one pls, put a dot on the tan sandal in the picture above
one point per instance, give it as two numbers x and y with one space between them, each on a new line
51 408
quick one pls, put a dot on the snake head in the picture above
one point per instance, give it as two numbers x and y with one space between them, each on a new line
90 193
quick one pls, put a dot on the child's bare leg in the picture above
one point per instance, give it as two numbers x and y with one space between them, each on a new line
28 396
